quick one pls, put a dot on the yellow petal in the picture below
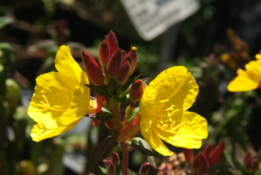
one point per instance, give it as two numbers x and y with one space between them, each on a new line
55 97
173 88
65 64
152 138
242 83
53 127
258 56
253 69
60 98
186 130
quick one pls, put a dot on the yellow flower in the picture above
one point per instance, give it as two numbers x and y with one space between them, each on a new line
258 56
60 99
163 112
247 80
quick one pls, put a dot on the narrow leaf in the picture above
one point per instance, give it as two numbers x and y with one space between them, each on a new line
102 90
145 149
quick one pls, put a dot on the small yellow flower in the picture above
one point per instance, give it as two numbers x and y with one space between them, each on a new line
60 98
258 56
247 80
163 112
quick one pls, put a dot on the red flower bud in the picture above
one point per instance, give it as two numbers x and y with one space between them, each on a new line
123 53
124 73
246 158
144 169
130 129
111 170
95 122
107 161
134 56
136 90
207 151
217 153
200 164
115 158
92 68
255 164
99 99
104 55
114 63
112 42
188 155
248 163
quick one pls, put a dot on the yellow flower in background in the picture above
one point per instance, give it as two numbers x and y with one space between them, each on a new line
258 56
249 79
60 98
163 112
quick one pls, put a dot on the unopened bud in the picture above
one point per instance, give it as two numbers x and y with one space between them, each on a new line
27 167
104 55
112 42
248 163
107 161
92 68
136 90
207 151
111 170
129 110
188 155
217 153
200 164
255 164
114 63
134 56
144 169
13 93
99 99
115 158
124 73
246 158
95 122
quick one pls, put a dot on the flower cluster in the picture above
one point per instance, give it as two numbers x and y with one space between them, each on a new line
61 98
204 160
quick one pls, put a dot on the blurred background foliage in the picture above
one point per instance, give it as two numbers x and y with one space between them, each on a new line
220 37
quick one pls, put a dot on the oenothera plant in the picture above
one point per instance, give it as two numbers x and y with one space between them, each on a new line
62 98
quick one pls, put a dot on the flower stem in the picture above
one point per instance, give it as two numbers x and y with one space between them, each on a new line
124 149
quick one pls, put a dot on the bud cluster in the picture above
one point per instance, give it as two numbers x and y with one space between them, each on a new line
112 163
204 160
115 63
110 80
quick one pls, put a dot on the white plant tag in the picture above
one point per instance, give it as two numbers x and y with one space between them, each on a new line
153 17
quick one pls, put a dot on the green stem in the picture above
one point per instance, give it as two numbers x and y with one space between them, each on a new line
115 109
124 149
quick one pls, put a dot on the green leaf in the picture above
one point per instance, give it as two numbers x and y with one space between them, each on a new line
122 100
229 159
103 170
103 116
235 172
130 172
144 148
102 90
5 21
105 147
